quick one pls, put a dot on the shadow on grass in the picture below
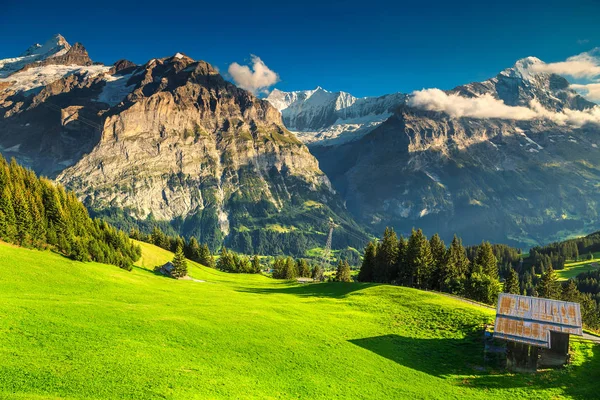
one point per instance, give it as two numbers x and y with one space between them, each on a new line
330 289
462 359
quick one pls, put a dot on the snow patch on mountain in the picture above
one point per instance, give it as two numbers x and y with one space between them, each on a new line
115 89
320 117
34 79
54 47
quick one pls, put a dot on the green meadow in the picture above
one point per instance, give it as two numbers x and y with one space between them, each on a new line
71 330
572 269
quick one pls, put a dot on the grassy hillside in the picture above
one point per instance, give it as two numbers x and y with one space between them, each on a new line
572 269
70 330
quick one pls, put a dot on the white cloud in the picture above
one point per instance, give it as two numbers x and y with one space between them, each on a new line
457 106
584 65
255 78
591 90
486 106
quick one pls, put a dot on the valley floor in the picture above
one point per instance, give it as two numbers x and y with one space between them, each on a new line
90 331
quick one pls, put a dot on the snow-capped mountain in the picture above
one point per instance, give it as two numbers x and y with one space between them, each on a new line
170 139
524 82
55 46
519 177
319 117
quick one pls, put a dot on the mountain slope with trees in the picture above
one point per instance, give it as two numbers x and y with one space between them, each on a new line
172 143
35 212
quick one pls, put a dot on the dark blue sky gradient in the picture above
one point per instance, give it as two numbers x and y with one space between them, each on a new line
363 47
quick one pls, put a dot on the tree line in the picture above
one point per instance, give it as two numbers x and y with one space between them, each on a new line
37 213
428 264
191 248
477 272
288 268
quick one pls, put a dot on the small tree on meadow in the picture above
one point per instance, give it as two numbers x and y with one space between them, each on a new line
343 272
255 265
179 264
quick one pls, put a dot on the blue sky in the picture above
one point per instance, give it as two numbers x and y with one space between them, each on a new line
363 47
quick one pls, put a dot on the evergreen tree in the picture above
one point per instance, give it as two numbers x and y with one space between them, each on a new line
179 264
317 273
483 288
455 270
419 260
303 268
387 253
438 252
8 229
205 257
256 265
343 272
486 260
290 271
22 217
226 262
192 249
511 285
548 287
279 268
368 264
570 292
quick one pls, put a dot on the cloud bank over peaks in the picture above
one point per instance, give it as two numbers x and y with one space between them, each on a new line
256 78
584 65
486 106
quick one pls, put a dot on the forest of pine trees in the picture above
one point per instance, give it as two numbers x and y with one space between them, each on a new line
233 262
287 268
476 272
428 264
35 212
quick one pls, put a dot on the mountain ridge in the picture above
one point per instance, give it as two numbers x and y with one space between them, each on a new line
172 141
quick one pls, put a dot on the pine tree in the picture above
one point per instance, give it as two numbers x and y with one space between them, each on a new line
22 217
486 261
192 250
570 292
438 252
317 273
302 267
511 285
456 268
401 269
483 288
226 262
419 260
179 264
290 271
548 287
205 257
343 272
387 253
255 265
368 264
9 231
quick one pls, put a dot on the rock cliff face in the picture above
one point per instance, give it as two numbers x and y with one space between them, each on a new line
171 141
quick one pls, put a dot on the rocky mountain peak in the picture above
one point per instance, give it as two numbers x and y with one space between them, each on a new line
56 44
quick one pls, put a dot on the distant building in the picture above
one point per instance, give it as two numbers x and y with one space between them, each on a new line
537 330
166 269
